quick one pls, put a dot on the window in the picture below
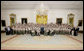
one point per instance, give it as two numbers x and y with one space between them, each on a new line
59 21
79 22
3 23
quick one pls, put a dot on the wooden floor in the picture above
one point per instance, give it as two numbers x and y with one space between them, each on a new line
28 42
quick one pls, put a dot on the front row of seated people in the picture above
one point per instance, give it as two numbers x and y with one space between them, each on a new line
40 30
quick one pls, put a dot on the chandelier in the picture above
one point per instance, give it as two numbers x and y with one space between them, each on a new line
42 10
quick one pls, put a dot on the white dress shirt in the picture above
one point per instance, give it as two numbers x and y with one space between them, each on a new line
8 29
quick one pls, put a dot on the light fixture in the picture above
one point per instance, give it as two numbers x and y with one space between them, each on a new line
41 9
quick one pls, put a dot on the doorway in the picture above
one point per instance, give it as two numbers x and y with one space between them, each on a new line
80 22
12 19
24 20
59 20
3 23
71 21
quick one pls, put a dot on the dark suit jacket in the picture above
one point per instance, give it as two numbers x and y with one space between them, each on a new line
8 32
6 29
42 29
77 29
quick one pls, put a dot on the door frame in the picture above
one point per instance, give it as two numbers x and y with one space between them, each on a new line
72 22
59 18
14 17
22 20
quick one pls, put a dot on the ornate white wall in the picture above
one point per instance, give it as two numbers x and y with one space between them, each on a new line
52 15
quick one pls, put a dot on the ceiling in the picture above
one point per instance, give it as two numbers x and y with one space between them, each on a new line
49 4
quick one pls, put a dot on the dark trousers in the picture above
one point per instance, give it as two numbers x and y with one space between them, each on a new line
11 32
42 32
75 33
7 32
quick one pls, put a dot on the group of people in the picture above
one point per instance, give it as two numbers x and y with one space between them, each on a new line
74 31
37 29
9 30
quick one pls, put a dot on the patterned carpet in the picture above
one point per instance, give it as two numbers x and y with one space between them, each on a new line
28 42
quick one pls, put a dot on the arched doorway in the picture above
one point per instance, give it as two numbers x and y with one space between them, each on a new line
12 19
24 20
71 19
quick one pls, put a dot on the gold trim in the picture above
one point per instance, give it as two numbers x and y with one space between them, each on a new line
71 15
13 18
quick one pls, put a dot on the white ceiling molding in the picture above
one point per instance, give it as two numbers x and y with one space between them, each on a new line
33 4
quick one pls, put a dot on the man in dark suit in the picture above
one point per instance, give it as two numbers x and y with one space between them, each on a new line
7 33
49 32
11 31
8 30
72 29
42 30
76 31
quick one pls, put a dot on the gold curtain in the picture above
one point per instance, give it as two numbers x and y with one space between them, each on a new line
71 21
12 19
41 19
